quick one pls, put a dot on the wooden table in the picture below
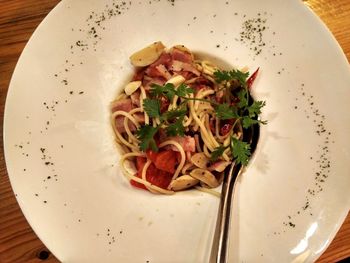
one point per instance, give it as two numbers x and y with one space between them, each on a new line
18 20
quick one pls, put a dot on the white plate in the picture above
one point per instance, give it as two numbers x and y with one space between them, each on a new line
63 163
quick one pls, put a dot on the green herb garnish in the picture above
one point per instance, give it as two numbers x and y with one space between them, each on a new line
152 107
235 74
146 136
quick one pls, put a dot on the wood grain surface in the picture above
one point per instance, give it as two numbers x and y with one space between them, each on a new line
18 20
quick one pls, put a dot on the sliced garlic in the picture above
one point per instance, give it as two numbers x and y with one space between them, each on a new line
205 176
176 80
200 160
131 87
147 55
183 182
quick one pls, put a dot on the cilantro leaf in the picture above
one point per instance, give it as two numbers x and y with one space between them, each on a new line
146 135
247 122
233 74
221 76
242 96
152 107
172 114
176 128
225 112
255 108
168 90
183 90
156 90
240 150
218 151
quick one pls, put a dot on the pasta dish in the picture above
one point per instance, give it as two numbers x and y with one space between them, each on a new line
179 122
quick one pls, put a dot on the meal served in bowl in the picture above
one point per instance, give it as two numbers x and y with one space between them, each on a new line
180 121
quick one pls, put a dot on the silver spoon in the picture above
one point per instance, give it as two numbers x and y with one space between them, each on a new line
219 250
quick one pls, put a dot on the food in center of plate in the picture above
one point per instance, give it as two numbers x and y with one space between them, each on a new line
180 120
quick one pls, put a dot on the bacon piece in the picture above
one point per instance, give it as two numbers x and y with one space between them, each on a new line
187 75
119 125
164 104
163 71
219 166
188 143
139 74
158 71
188 156
148 81
135 98
140 117
181 55
119 122
122 105
178 66
164 59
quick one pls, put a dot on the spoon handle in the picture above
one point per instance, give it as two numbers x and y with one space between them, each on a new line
219 249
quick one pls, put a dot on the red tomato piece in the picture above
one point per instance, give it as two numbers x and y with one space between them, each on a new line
152 155
158 177
166 161
140 162
153 175
178 157
137 184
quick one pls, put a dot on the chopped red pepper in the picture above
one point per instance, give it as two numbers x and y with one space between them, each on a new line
251 79
225 129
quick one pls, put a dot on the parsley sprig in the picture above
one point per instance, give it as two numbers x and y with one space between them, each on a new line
171 121
248 114
152 107
240 151
226 112
244 111
146 136
235 74
169 91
